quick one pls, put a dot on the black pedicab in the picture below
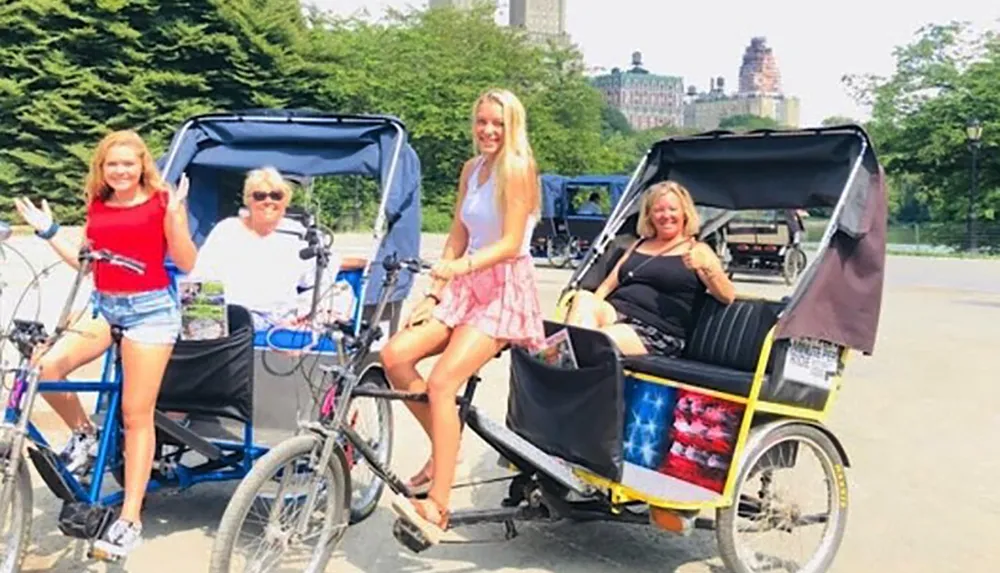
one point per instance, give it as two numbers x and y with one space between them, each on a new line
654 441
766 242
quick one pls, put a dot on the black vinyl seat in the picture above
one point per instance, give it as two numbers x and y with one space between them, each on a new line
722 350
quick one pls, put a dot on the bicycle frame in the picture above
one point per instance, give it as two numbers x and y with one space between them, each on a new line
17 417
330 426
20 405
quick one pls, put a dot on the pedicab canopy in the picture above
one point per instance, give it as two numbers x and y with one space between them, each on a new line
217 150
838 298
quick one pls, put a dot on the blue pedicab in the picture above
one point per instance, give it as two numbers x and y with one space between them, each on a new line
563 235
649 440
218 380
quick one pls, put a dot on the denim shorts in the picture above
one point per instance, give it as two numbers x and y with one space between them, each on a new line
151 317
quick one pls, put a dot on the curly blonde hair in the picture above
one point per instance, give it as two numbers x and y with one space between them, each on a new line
692 223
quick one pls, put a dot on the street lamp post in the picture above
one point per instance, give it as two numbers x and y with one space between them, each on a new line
974 134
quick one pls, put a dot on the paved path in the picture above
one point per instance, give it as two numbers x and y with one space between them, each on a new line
919 420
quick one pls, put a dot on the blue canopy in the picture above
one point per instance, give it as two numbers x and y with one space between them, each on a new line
615 183
553 189
216 151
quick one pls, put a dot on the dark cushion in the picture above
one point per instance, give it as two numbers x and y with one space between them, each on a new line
213 377
722 350
699 374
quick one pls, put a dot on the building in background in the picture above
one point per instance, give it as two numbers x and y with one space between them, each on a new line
646 100
543 20
759 93
759 71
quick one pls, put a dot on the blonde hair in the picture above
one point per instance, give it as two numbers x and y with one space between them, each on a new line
270 177
515 157
692 222
95 186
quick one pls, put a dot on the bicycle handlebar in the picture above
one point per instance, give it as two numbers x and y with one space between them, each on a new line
88 255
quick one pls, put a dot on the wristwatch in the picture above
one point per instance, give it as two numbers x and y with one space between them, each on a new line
431 295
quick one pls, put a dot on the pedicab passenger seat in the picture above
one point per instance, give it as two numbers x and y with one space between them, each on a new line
722 350
210 379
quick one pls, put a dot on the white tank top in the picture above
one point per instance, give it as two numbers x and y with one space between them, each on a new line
482 219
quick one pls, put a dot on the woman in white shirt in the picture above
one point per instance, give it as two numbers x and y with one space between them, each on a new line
257 262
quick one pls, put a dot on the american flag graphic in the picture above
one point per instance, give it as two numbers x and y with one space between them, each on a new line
649 414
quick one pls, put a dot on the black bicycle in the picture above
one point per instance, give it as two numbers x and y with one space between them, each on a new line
302 487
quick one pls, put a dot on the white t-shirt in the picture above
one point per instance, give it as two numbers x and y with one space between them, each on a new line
261 274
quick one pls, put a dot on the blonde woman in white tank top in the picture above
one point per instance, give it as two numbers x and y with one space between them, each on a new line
483 298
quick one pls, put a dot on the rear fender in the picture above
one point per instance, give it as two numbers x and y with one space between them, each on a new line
759 432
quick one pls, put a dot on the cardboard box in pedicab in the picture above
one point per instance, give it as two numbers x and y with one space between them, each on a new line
660 441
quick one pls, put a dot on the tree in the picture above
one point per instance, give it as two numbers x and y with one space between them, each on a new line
614 121
835 120
73 70
748 122
946 76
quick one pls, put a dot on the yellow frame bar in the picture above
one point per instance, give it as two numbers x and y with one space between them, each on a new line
620 493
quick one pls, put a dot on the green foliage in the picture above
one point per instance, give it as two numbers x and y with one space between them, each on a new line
834 120
73 70
748 122
944 77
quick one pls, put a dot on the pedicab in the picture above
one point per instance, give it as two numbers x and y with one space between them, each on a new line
641 439
564 232
214 382
766 242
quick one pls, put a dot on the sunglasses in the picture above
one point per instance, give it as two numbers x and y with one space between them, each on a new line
272 195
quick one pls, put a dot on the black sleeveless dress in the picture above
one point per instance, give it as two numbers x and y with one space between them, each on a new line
656 296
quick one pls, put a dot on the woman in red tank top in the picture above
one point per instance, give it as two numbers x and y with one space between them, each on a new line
132 212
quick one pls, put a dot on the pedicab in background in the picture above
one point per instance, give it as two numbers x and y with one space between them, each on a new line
563 235
219 382
766 242
655 441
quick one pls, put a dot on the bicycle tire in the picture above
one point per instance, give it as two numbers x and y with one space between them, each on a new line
337 511
21 504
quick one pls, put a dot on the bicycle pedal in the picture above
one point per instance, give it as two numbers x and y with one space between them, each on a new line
411 537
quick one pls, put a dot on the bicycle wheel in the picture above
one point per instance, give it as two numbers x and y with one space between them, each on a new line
15 520
298 456
765 511
557 251
366 487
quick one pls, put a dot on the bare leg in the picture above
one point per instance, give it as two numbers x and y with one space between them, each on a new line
588 311
626 339
400 356
468 350
89 338
143 365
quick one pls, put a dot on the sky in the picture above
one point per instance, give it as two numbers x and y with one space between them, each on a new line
814 47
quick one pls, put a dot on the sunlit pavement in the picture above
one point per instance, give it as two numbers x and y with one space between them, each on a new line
919 421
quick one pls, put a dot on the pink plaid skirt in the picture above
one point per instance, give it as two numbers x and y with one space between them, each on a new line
501 301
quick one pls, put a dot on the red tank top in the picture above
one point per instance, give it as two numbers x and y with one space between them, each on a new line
135 232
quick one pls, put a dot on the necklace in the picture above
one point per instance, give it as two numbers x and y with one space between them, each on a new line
631 274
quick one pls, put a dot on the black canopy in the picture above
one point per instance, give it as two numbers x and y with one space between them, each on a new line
839 297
